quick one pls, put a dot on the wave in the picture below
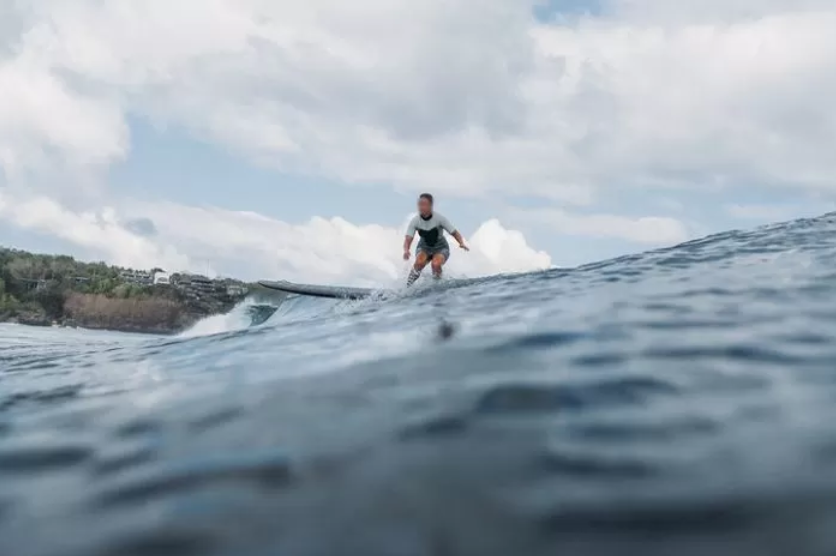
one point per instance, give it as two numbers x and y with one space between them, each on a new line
786 241
248 313
255 311
262 308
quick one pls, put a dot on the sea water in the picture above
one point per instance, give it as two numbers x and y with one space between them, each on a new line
678 402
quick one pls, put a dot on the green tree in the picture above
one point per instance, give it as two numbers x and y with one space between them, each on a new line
52 301
121 291
24 269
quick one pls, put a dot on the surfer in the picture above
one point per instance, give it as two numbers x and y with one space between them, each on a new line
432 248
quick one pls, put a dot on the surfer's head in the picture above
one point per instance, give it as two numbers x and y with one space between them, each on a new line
425 204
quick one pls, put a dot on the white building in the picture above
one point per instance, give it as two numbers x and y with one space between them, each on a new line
235 290
161 278
140 277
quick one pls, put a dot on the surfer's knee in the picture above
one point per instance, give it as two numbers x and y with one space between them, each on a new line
436 266
420 261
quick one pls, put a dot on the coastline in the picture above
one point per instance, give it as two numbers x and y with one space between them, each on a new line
58 291
145 320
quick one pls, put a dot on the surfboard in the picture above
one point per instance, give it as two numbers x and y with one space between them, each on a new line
348 292
314 290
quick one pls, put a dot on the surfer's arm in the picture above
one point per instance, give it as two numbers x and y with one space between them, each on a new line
407 243
452 230
458 237
407 240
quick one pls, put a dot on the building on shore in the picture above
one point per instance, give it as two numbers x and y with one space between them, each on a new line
138 277
34 285
161 277
197 286
195 283
236 290
203 284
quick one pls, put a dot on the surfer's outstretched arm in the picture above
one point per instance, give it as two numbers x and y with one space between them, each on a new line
407 245
410 235
453 231
460 239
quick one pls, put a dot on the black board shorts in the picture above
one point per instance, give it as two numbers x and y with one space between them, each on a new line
433 251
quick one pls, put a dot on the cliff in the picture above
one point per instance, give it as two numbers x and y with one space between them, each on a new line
48 290
138 314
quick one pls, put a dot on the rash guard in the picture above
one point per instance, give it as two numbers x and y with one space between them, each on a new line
431 230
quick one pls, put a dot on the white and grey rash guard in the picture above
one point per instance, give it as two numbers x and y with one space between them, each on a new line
431 230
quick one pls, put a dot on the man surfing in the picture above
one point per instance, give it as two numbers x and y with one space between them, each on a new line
432 247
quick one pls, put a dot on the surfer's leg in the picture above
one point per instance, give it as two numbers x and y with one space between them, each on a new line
421 260
438 262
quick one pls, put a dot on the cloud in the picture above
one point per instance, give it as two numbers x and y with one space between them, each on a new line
704 11
651 230
464 97
721 101
252 246
770 213
470 97
495 249
325 250
141 226
99 234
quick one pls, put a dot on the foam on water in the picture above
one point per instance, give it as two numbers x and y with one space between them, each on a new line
237 319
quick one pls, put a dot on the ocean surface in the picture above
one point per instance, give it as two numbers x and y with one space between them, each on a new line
678 402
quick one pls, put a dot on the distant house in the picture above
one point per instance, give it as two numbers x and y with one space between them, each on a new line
195 285
202 283
37 285
161 277
139 277
235 290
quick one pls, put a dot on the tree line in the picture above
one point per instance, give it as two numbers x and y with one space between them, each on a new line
41 289
46 280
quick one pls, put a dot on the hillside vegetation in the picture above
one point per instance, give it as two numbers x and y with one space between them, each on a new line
59 290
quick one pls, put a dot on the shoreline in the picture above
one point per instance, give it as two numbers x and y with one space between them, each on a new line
59 291
12 322
122 330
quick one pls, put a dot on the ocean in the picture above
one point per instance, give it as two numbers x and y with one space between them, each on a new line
675 402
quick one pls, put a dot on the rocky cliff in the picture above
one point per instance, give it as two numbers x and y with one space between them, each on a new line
58 290
137 314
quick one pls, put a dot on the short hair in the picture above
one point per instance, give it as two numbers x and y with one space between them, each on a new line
426 196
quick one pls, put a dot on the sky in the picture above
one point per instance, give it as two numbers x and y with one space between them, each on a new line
274 139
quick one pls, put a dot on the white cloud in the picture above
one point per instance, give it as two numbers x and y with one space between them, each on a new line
40 116
702 11
769 213
252 246
756 212
651 230
99 234
325 250
468 96
740 101
496 249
